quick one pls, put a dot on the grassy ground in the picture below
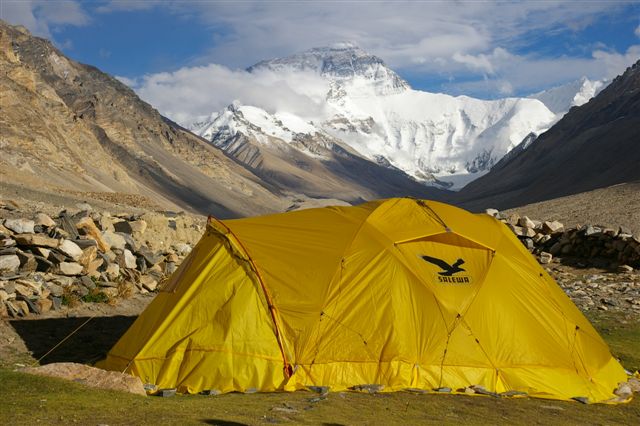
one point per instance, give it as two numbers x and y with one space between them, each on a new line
37 400
31 399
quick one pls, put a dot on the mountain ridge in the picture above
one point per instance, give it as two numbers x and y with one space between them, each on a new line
593 146
437 139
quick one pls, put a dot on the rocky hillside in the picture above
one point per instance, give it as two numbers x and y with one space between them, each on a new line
68 125
593 146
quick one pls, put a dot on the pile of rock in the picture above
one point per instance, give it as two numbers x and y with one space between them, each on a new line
601 291
88 256
588 245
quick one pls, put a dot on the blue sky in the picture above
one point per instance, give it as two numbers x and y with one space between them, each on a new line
478 48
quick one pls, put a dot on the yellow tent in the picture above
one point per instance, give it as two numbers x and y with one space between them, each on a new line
397 293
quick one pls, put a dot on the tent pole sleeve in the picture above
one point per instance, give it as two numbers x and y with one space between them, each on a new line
288 369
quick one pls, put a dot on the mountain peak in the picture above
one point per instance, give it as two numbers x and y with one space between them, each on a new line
340 62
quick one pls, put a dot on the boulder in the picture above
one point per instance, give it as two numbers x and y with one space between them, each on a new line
44 252
28 262
127 260
55 289
9 264
112 271
88 255
148 282
92 268
105 222
90 376
70 268
114 240
42 219
552 227
44 265
71 249
38 240
20 226
545 257
492 212
44 305
88 228
7 242
138 226
525 222
149 256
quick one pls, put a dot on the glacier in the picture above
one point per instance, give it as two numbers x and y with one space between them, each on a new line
438 139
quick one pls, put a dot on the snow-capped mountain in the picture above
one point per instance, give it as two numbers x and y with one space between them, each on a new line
437 139
295 156
576 93
340 63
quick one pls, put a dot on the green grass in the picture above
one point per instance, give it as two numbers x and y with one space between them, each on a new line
26 399
31 399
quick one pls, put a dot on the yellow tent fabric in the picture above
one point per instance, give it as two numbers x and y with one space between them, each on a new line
400 293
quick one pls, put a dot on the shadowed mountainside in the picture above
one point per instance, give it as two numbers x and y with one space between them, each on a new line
594 146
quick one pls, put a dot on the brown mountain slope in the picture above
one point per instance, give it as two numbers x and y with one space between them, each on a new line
68 125
593 146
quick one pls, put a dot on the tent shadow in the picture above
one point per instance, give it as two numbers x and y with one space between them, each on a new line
87 345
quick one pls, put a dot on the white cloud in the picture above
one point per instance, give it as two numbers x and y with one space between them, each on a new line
467 41
192 93
530 73
131 82
40 16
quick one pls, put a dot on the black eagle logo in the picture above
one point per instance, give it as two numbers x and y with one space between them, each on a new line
447 269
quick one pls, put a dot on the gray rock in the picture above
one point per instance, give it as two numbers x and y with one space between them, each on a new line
149 256
591 230
123 227
182 249
57 303
28 262
148 282
624 231
170 268
70 268
44 220
114 240
69 225
492 212
129 259
9 264
113 271
166 393
38 240
552 227
20 226
130 243
55 289
7 242
525 222
545 257
87 282
86 242
71 249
